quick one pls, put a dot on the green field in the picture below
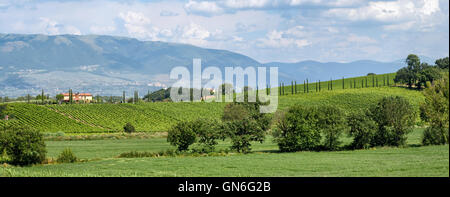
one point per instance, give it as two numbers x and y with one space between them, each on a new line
413 160
160 116
100 156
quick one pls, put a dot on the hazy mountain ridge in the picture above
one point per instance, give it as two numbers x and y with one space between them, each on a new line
109 64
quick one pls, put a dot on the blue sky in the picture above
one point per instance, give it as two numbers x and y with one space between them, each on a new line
277 30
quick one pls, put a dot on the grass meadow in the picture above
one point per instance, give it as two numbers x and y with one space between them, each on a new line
101 155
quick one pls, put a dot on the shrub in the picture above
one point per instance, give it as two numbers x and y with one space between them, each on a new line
66 156
24 146
182 135
435 110
128 128
435 136
298 130
207 132
242 133
362 129
332 124
243 123
395 118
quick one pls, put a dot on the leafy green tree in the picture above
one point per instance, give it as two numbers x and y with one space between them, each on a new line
332 123
395 118
59 97
435 110
243 123
442 63
182 135
23 145
298 130
129 128
362 129
208 132
429 73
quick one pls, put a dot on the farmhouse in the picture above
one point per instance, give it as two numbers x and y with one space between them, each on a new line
77 97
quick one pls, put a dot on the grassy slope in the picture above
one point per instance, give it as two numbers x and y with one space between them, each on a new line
161 116
411 161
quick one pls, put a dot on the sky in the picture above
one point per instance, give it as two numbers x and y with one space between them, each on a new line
265 30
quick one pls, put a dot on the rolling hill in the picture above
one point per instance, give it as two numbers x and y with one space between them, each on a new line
108 65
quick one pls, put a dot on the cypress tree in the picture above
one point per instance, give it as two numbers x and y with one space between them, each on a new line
377 81
319 85
70 96
366 82
307 86
343 83
42 96
331 84
295 87
292 87
388 80
304 86
373 81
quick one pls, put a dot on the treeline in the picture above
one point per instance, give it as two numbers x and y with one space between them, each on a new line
371 80
416 74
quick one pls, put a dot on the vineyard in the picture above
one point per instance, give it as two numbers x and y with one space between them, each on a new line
160 116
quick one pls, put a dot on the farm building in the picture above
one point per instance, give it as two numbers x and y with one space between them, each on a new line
77 97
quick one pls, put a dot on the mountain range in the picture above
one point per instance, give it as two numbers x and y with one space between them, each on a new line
108 65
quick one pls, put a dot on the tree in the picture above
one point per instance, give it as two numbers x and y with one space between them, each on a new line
395 118
129 128
435 111
298 129
332 124
243 123
59 97
207 131
24 145
429 73
442 63
182 135
362 129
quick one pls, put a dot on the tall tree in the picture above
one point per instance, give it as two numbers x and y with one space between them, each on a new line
442 63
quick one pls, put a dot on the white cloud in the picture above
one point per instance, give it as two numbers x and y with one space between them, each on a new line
194 34
361 39
203 7
139 26
52 27
293 37
388 11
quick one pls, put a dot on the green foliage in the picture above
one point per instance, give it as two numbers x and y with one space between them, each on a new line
24 146
160 95
362 129
207 131
298 129
395 119
435 110
416 73
332 122
129 128
442 63
182 135
244 123
67 156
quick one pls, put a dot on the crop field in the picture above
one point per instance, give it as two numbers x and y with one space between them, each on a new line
160 116
413 160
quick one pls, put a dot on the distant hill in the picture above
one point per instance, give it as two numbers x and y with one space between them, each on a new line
108 65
